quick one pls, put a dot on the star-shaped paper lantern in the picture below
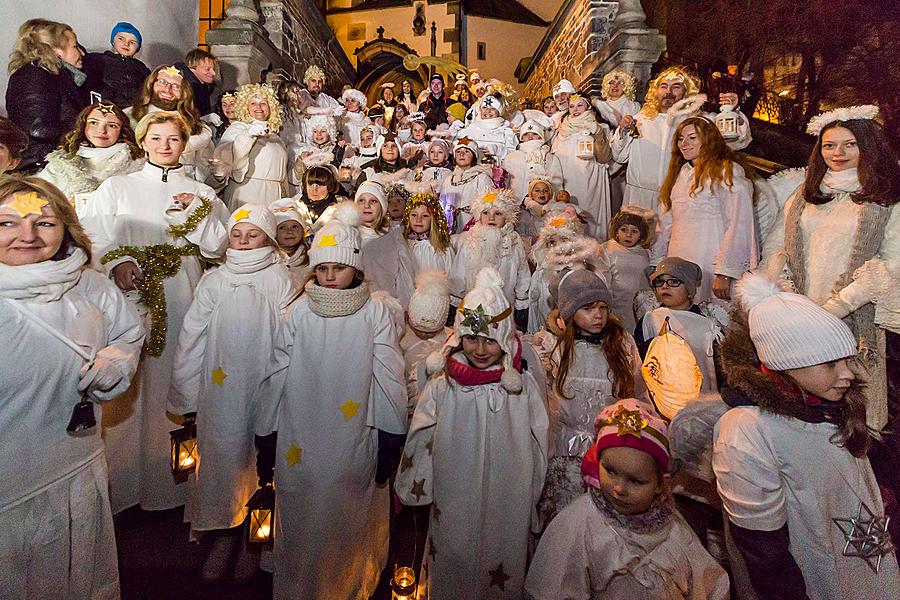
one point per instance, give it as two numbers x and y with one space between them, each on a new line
241 214
27 203
349 409
499 577
294 455
867 536
326 241
218 376
628 422
418 488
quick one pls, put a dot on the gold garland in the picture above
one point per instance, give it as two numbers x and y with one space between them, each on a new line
157 263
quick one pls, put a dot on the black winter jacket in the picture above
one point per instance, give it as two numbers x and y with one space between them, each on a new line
200 89
117 79
45 106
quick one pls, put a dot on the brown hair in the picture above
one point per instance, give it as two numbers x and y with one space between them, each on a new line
185 105
878 173
35 43
617 356
75 138
143 127
321 175
197 56
65 212
715 163
12 136
628 218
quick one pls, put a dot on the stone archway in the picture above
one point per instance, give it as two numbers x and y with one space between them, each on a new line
381 61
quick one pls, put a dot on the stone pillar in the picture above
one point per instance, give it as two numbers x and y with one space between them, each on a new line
633 47
242 46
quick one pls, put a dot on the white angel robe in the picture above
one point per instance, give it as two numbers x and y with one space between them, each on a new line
257 167
612 111
425 256
130 210
494 136
531 161
388 263
511 264
714 229
215 377
478 455
538 299
624 271
56 528
198 150
587 555
351 124
586 180
460 189
335 382
648 155
90 167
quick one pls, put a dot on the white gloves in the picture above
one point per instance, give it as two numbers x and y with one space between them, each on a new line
99 378
212 119
258 128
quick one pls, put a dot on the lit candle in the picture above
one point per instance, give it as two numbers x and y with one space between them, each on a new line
403 585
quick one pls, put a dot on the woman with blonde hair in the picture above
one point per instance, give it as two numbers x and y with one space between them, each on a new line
56 526
44 96
706 205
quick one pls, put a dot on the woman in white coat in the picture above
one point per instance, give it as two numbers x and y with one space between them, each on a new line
337 399
707 209
70 334
150 230
251 155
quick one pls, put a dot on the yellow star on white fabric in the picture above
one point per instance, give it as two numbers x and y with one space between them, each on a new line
327 240
218 376
241 214
350 409
27 203
294 455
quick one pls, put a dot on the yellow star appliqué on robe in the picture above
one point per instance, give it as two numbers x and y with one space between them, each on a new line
27 203
350 409
294 455
241 214
218 376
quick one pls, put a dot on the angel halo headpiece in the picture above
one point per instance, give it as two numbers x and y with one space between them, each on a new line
849 113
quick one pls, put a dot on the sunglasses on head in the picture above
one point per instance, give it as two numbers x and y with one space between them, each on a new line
671 282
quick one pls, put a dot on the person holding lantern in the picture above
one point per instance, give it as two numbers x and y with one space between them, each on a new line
56 527
150 230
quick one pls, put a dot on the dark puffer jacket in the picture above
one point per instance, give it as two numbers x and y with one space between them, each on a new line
117 79
45 106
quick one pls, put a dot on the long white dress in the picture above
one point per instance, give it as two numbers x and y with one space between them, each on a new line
130 210
713 228
258 167
215 377
89 168
511 263
586 180
623 269
425 257
56 528
478 455
773 471
648 155
351 125
335 382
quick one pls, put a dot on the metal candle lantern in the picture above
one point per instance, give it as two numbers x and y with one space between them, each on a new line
184 449
727 122
262 516
82 418
585 147
403 584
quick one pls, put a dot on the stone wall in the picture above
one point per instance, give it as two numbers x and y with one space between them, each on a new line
570 48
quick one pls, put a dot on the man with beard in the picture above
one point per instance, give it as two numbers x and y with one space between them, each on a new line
644 141
435 105
314 78
561 93
166 90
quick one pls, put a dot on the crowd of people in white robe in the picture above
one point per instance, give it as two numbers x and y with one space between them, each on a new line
524 319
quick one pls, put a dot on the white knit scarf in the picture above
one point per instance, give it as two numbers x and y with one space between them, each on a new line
242 262
586 121
328 302
45 281
837 182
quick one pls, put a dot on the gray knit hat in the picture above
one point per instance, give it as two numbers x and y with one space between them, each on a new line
683 270
791 331
579 288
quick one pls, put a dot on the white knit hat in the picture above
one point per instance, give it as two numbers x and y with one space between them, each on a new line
286 210
533 127
377 190
503 199
355 95
564 86
255 214
791 331
430 302
338 240
494 101
470 144
486 312
319 120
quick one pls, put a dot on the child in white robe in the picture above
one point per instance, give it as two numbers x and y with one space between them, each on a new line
215 377
426 232
354 118
490 129
437 164
366 151
623 539
624 259
466 183
533 159
290 234
476 452
339 429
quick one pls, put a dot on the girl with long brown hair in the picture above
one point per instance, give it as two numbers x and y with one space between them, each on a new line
594 363
706 205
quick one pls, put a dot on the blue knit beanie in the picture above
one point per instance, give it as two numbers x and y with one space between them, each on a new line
124 27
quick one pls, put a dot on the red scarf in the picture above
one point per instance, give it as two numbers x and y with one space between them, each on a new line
465 374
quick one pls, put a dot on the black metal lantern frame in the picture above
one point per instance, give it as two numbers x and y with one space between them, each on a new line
261 521
184 449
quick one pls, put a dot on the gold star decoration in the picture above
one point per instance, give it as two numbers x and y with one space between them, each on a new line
172 71
628 422
349 409
294 455
490 197
867 536
464 141
218 376
27 203
418 488
499 577
327 240
241 214
406 462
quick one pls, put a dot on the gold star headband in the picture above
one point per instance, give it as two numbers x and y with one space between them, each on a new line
105 108
172 71
27 203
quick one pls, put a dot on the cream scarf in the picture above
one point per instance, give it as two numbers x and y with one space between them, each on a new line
327 302
243 262
586 121
45 281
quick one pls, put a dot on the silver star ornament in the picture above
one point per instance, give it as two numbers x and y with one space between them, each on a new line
867 536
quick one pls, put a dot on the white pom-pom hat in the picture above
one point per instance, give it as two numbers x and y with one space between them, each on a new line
338 241
791 331
354 95
430 302
255 214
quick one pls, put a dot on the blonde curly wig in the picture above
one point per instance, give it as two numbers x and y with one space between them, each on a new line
690 82
627 78
242 99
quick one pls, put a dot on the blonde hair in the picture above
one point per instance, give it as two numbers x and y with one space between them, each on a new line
247 92
59 204
680 74
35 43
627 78
155 118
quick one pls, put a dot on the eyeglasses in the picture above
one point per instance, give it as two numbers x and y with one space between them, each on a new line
167 84
661 281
